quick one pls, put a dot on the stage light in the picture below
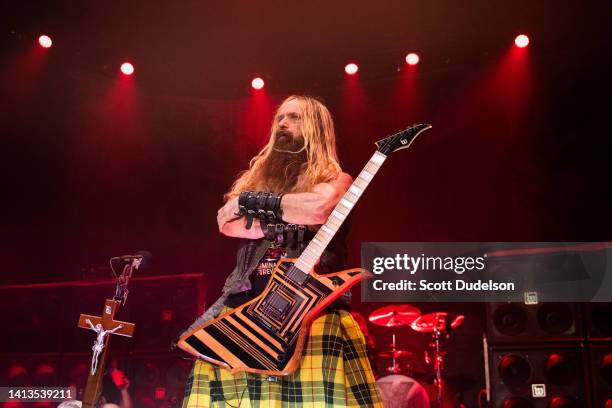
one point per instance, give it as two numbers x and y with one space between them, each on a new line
521 41
45 41
351 68
127 68
412 59
17 375
166 315
45 375
257 83
160 393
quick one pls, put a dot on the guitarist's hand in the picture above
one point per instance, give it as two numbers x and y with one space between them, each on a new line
228 212
234 225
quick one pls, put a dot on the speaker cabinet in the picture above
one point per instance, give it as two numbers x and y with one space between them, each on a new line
601 373
538 376
520 323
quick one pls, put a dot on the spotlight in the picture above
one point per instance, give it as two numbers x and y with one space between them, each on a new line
412 59
257 83
18 375
521 41
351 68
45 41
127 68
166 315
45 375
160 393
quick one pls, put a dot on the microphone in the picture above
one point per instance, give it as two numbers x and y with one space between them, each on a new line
143 256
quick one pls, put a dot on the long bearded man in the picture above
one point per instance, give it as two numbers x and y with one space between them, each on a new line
299 180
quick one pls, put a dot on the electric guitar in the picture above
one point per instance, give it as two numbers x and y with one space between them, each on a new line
266 335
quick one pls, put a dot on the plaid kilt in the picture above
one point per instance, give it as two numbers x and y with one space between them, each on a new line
334 372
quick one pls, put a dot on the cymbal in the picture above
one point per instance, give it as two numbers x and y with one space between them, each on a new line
394 353
394 315
438 320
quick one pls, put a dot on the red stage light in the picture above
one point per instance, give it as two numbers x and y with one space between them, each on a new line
45 41
521 41
257 83
127 68
166 315
412 59
44 369
160 393
45 375
351 68
16 370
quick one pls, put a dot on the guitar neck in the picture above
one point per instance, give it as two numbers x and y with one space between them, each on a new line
323 237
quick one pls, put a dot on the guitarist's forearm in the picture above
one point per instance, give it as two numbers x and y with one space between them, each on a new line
309 208
237 229
306 208
298 208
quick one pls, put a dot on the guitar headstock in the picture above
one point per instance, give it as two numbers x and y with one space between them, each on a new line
401 140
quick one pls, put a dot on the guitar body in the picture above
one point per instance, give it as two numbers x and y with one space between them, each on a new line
266 335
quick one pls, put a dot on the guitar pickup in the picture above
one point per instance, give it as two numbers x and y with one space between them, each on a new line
275 307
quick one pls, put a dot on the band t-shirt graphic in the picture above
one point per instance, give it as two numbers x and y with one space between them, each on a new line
261 274
259 277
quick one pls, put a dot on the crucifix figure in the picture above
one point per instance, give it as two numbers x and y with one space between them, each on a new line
99 342
104 326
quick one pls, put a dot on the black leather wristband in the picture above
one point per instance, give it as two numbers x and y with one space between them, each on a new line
261 204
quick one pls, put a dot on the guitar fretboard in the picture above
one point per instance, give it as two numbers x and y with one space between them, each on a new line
323 237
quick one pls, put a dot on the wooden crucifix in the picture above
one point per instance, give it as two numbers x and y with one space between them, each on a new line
103 326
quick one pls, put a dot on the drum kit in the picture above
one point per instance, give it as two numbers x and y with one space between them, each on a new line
399 390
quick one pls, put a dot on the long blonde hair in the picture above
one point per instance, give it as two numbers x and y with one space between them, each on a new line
319 143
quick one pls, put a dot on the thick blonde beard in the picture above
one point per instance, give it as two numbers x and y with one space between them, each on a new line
283 167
